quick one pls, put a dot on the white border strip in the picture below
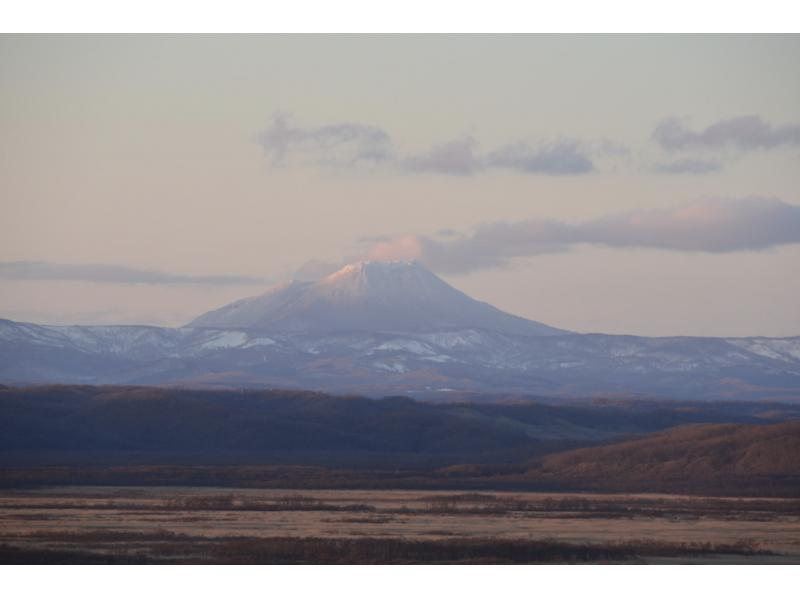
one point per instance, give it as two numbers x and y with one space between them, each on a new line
426 16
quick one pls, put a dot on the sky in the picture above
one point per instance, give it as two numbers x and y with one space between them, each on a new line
624 184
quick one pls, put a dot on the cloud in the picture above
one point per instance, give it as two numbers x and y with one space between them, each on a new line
456 157
112 274
743 133
459 157
714 226
688 166
560 157
353 145
342 144
112 317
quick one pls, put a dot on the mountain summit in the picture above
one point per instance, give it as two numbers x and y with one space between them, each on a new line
397 296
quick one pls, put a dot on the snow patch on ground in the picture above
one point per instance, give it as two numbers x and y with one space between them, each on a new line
451 340
226 340
410 346
438 358
625 351
787 349
263 341
391 367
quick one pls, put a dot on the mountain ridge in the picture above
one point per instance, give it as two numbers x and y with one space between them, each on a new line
421 364
378 328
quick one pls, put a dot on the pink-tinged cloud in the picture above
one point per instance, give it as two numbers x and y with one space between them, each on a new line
407 247
713 225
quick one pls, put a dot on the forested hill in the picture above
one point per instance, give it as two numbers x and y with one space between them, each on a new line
206 426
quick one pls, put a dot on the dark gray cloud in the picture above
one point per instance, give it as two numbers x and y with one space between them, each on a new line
688 166
743 133
112 274
348 145
715 226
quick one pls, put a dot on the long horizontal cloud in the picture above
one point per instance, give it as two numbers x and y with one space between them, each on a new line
713 226
460 157
109 273
353 145
744 133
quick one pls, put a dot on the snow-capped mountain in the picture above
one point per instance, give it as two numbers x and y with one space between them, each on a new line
398 296
385 328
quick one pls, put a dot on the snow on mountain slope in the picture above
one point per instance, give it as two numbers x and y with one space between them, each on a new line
369 296
384 362
386 327
784 349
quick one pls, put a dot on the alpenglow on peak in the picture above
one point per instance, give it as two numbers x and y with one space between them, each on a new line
368 296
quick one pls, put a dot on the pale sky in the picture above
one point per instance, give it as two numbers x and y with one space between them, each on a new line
624 184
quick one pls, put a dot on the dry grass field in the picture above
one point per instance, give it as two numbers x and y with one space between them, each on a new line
206 525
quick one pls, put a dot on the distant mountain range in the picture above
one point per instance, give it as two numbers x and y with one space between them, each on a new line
382 328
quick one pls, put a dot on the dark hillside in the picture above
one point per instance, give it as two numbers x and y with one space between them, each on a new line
120 425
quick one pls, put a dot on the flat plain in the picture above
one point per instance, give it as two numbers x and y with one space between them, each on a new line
237 525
